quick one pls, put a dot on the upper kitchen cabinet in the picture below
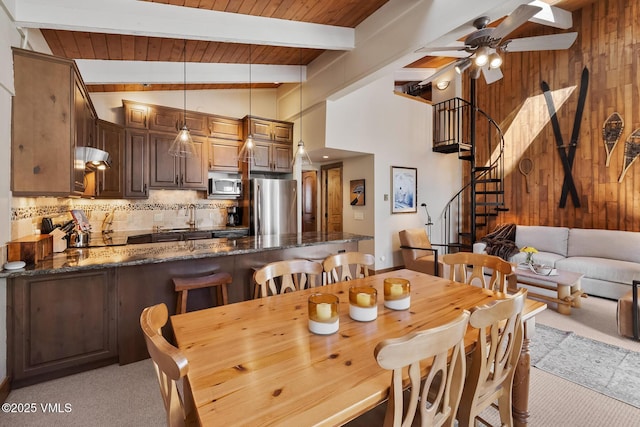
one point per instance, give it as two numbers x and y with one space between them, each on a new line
108 183
273 149
52 116
165 119
135 115
269 130
225 128
136 164
170 172
223 155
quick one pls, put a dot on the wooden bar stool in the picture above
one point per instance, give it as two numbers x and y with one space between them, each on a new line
217 282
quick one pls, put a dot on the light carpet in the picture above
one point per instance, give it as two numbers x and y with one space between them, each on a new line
605 368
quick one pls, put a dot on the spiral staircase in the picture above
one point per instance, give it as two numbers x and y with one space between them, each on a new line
456 126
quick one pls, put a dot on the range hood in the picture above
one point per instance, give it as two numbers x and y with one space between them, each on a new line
93 158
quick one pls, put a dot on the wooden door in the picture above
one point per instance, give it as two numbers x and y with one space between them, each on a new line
332 191
309 197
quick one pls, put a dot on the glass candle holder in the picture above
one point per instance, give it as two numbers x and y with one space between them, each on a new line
323 313
397 293
363 303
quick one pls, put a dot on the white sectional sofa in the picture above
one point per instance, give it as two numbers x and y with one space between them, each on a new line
609 260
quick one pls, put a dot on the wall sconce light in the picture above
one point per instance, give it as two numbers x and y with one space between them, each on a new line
442 84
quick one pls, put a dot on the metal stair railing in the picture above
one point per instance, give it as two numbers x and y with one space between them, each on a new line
484 193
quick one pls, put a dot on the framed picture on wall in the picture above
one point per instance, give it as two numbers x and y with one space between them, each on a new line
356 192
404 189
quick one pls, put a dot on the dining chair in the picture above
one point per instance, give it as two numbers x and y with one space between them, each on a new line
346 266
436 397
417 253
170 366
458 265
286 276
216 282
493 360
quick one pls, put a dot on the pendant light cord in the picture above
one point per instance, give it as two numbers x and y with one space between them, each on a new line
300 94
250 49
184 57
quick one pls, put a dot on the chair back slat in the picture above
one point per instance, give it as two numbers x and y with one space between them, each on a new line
347 266
169 363
286 276
436 400
494 359
469 268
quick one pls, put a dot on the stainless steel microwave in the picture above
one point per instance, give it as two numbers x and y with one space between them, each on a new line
225 188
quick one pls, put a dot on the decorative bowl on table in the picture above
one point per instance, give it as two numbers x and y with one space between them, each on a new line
543 270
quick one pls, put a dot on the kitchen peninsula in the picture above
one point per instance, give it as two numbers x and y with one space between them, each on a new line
80 309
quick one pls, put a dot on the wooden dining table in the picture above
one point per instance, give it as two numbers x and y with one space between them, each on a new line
256 362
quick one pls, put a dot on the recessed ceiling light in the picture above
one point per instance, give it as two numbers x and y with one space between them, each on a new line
325 157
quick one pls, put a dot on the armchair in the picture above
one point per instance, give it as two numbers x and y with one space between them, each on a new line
417 252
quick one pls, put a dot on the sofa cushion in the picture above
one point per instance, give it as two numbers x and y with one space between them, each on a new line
601 268
544 239
611 244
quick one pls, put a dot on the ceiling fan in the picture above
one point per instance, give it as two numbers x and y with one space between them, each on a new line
482 49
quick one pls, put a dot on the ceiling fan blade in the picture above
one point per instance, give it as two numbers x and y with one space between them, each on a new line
522 14
491 75
437 74
550 42
452 47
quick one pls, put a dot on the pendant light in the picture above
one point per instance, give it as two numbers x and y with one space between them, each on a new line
300 151
246 152
183 146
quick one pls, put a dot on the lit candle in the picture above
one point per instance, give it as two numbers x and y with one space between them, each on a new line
323 311
363 299
395 290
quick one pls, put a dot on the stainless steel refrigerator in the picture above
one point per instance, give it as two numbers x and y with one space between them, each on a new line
272 207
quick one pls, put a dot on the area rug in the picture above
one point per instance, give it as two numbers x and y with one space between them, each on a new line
605 368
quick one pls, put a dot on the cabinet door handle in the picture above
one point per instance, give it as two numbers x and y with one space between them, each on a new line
145 189
145 120
177 123
181 179
177 180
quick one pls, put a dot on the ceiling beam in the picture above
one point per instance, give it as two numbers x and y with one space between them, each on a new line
131 72
134 17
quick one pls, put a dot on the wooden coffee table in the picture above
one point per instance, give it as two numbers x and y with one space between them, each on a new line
565 283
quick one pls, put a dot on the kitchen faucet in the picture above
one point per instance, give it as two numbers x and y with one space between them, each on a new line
191 210
107 222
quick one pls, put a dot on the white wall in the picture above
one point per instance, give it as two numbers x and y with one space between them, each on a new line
397 131
359 219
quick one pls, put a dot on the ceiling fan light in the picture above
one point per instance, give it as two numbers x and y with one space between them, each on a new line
495 60
482 56
462 65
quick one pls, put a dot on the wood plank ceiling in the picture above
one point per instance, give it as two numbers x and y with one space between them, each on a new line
342 13
85 45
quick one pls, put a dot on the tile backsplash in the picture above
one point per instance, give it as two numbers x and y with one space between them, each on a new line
164 208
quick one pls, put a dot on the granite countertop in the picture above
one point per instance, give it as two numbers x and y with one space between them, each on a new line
148 253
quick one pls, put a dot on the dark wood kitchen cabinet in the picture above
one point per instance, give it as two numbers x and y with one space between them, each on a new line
225 128
52 116
60 324
136 164
171 120
108 183
223 155
170 172
273 149
135 115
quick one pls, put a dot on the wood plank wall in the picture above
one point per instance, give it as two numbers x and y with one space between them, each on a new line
608 45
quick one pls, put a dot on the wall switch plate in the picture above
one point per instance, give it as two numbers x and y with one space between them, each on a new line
359 215
386 197
157 217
